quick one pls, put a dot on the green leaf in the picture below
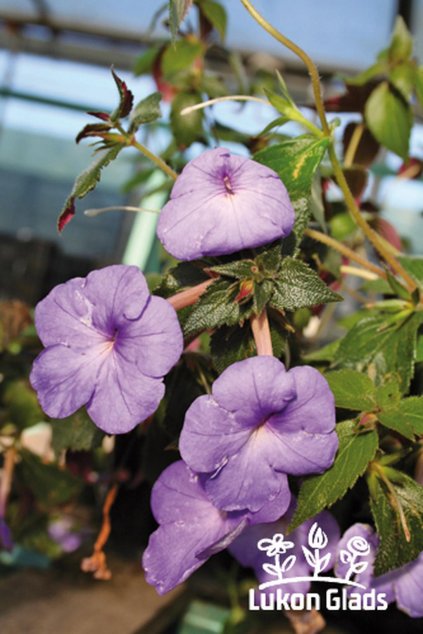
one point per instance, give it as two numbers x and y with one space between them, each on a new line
401 46
182 276
405 418
215 307
298 286
377 69
414 266
285 106
327 353
262 293
383 346
352 390
403 77
216 15
50 484
296 161
86 182
419 84
318 492
179 57
76 432
239 269
22 408
419 349
146 111
231 344
389 119
189 127
390 510
177 12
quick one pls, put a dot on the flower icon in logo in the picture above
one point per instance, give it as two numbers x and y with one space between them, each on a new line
274 546
357 546
317 540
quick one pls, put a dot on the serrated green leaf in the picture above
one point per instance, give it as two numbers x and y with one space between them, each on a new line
352 390
388 395
318 492
298 286
76 432
382 347
177 12
261 295
405 418
86 182
387 506
327 353
401 46
146 111
270 259
240 269
215 307
216 15
50 484
389 119
419 349
398 289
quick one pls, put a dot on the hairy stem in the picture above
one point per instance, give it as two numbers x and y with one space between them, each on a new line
344 250
261 333
155 159
6 479
190 296
311 66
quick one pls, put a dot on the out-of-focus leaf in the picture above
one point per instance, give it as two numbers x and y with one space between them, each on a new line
146 111
51 485
76 432
177 12
216 15
389 119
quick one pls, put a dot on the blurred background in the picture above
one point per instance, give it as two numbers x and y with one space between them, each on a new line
55 57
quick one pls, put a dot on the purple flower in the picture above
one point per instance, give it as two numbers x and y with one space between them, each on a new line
223 203
191 527
259 424
108 345
404 585
248 550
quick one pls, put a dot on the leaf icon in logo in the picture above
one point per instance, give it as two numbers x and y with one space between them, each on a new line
272 570
309 557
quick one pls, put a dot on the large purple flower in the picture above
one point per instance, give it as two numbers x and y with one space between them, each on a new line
191 528
108 345
259 424
404 585
222 203
264 544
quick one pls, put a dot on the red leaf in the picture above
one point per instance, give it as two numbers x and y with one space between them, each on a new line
104 116
67 214
126 97
92 129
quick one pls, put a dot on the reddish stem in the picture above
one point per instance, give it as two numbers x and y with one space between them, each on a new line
6 479
190 296
97 563
261 333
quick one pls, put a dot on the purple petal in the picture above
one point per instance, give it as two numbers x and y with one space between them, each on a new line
64 379
123 397
409 588
276 508
191 528
153 342
223 203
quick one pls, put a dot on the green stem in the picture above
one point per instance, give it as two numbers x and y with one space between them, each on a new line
372 236
311 66
155 159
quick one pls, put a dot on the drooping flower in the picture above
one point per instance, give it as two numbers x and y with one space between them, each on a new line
247 551
404 585
222 203
108 345
191 528
259 424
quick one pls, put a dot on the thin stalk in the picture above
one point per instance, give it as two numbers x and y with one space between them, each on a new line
97 563
6 479
372 236
353 145
261 333
311 66
92 213
353 270
212 102
154 159
344 250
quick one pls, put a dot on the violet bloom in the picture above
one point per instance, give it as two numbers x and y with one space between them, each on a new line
223 203
108 345
191 529
404 585
249 549
259 424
